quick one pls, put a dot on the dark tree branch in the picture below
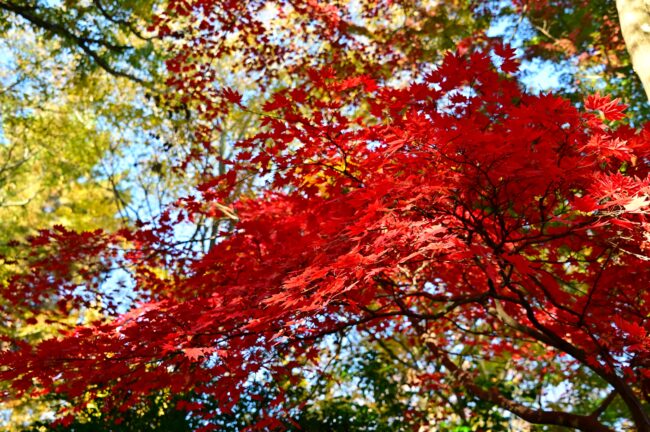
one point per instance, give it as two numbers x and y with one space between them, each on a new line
493 396
83 43
118 21
604 404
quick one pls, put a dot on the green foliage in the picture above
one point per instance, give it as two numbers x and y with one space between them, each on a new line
158 415
106 34
63 119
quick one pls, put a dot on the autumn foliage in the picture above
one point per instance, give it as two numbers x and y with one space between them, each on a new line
454 211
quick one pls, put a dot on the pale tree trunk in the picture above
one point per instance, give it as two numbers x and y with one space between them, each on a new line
634 16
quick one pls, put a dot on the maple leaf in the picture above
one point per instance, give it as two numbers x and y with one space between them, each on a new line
196 354
232 96
585 203
612 109
634 330
509 64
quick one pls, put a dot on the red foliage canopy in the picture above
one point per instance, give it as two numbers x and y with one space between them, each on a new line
455 202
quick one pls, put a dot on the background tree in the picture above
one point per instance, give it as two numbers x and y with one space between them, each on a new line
78 127
634 17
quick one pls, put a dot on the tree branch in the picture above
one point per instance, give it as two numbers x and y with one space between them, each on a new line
604 404
493 396
83 43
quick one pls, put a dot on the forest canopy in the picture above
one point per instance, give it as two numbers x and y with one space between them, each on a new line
355 215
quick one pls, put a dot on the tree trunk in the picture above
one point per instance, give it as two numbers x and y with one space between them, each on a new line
634 16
